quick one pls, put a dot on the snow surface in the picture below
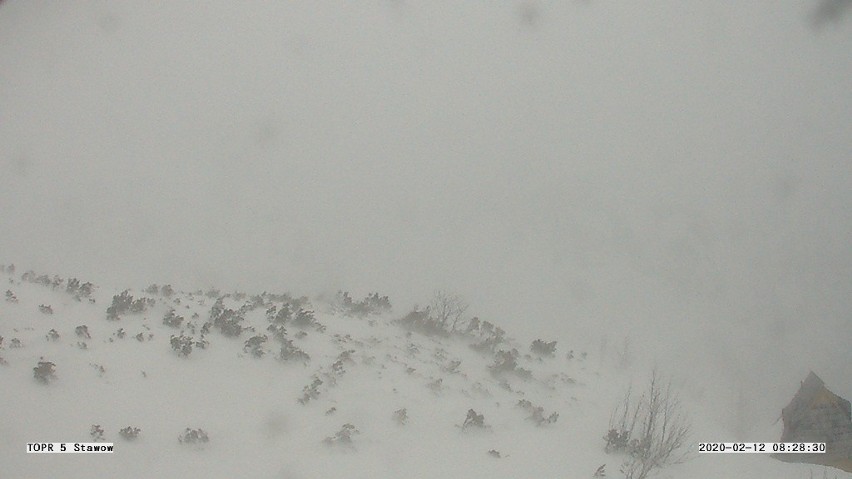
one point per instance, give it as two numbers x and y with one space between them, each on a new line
257 427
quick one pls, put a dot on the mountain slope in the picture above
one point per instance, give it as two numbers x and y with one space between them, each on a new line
322 397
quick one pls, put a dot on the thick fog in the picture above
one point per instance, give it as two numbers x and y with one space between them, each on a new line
676 174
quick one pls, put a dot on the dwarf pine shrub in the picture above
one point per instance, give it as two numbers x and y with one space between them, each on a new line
291 352
172 319
254 346
182 345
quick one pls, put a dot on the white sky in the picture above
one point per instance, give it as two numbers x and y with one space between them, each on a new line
679 172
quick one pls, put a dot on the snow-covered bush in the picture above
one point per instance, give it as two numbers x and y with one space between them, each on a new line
182 345
452 367
52 335
279 316
311 391
291 352
278 331
474 420
616 440
97 433
45 309
129 433
193 436
304 318
10 297
372 304
45 372
537 413
400 416
82 331
436 386
487 336
343 437
420 321
506 362
172 319
344 358
125 303
79 290
254 346
227 320
202 343
543 348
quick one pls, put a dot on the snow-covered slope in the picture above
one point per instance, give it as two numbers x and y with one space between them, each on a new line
277 414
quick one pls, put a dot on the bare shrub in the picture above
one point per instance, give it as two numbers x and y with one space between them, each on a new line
653 430
447 309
